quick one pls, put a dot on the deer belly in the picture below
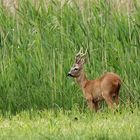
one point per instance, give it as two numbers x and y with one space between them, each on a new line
97 96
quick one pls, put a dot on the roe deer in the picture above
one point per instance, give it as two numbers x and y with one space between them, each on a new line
104 88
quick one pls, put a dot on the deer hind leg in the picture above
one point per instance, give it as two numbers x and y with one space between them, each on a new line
109 100
117 95
117 99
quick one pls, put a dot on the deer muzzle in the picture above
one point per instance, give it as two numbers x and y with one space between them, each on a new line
69 74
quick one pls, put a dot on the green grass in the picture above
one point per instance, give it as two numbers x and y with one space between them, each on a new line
38 44
72 125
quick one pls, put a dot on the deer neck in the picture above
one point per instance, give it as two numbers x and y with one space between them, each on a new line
82 80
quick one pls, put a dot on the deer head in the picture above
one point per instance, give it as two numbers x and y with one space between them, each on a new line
77 68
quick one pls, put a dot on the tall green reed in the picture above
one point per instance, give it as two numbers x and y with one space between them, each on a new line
38 45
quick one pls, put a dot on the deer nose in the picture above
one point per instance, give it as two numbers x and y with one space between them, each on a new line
69 74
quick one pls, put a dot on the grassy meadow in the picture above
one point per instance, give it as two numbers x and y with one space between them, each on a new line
38 43
72 125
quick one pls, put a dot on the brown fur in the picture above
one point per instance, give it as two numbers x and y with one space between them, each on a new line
104 88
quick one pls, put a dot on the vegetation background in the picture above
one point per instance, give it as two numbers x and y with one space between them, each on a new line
38 43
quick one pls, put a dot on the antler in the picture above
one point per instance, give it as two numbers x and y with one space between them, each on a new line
80 55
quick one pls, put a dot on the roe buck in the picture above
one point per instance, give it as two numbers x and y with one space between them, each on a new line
104 88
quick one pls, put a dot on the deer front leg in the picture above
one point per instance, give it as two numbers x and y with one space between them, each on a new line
89 100
94 106
90 104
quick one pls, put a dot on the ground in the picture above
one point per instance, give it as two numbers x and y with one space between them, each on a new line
71 125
